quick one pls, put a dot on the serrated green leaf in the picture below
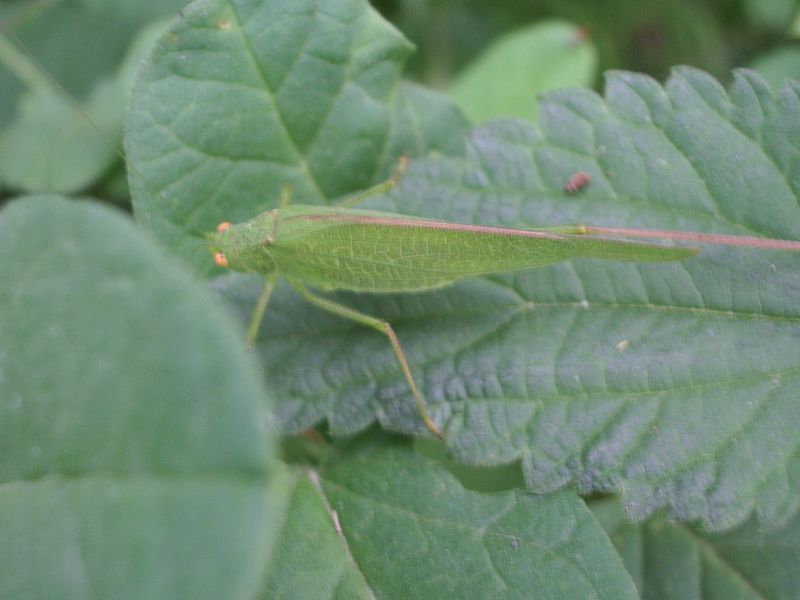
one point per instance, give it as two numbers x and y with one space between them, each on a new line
507 78
243 97
673 383
381 522
135 456
670 561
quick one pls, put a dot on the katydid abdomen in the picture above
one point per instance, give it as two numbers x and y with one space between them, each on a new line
358 250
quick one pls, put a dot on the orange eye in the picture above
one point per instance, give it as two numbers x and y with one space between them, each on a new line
223 226
220 259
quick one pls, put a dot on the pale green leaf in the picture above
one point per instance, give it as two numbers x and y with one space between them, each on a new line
775 14
672 383
507 78
778 65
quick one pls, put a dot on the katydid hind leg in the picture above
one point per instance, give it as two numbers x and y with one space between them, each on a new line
385 328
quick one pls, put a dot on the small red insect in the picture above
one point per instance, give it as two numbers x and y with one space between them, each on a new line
577 181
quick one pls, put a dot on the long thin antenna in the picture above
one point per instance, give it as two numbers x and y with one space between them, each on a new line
700 238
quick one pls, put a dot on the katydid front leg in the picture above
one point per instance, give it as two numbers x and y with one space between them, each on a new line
380 188
385 328
258 312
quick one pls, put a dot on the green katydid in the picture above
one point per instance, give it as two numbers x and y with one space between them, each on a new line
341 248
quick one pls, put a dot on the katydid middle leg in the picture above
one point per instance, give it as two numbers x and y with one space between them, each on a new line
375 190
385 328
380 188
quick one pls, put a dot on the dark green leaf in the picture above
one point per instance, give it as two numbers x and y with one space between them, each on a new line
674 383
134 444
669 561
382 522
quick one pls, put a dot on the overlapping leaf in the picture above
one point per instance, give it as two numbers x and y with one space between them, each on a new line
135 456
381 522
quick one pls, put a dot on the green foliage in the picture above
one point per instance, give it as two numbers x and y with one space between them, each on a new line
407 526
646 35
136 433
506 80
48 141
775 14
672 561
124 468
778 65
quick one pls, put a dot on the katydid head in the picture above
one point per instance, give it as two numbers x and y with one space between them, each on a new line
220 257
244 246
223 244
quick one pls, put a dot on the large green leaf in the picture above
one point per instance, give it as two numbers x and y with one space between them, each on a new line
381 522
674 383
134 446
670 561
507 78
243 97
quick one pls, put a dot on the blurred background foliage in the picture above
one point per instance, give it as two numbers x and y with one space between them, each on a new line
647 36
62 61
